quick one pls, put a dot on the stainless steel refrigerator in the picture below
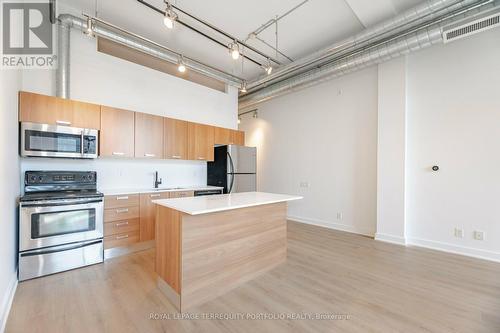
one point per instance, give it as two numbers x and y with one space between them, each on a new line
234 168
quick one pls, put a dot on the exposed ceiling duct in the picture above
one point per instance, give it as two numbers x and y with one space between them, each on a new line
118 35
416 29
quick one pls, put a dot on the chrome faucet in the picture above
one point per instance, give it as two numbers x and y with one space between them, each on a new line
157 181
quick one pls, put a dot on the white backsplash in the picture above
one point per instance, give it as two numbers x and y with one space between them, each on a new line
127 173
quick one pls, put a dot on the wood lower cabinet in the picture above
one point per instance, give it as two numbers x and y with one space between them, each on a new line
148 136
226 136
117 132
131 218
121 220
148 214
200 142
52 110
175 134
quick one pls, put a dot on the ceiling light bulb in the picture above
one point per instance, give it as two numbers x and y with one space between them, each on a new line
255 115
181 68
239 120
235 54
234 49
169 23
269 70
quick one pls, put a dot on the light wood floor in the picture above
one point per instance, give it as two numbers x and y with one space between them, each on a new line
381 287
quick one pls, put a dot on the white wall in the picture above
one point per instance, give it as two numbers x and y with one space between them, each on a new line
10 83
453 122
325 136
391 151
103 79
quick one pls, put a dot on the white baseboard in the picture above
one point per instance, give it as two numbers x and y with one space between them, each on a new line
390 239
330 225
433 245
7 301
452 248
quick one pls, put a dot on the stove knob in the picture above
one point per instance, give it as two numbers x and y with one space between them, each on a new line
40 178
33 178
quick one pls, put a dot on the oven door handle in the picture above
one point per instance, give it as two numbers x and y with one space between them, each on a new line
60 248
59 203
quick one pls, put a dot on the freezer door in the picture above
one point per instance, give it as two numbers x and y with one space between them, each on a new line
241 159
241 183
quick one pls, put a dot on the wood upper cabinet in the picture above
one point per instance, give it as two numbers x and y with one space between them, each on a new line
226 136
200 142
52 110
148 214
175 133
148 136
117 132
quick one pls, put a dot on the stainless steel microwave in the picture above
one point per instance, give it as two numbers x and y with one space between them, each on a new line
42 140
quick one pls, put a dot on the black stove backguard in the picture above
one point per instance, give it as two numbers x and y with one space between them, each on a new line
58 181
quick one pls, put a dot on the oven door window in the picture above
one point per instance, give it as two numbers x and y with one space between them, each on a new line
52 142
61 223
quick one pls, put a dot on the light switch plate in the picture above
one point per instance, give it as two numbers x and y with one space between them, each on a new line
479 235
459 233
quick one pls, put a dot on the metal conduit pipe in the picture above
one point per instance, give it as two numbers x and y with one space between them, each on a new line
115 34
427 11
393 49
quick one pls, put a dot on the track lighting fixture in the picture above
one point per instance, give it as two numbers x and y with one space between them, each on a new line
90 27
181 68
239 120
255 115
243 88
234 50
268 68
170 16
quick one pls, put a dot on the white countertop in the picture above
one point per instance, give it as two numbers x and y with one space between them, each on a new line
222 202
122 191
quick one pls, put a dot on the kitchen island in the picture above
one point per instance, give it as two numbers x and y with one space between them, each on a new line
206 246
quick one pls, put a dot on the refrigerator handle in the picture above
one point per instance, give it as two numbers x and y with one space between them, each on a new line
232 173
231 163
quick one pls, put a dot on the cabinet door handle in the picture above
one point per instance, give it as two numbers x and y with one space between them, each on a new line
121 224
63 122
119 211
122 198
118 153
176 156
154 196
121 237
149 155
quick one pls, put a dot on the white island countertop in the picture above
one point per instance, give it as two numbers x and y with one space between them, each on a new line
217 203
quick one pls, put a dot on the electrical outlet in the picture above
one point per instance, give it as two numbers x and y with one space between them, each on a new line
304 184
339 216
459 233
479 235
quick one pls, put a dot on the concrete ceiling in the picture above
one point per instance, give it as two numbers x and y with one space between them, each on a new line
316 24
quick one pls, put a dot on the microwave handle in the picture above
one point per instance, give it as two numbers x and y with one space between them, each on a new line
81 143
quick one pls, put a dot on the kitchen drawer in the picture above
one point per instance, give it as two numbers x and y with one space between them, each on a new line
125 200
122 213
181 194
124 239
119 227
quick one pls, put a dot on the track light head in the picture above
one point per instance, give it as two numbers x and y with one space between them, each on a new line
234 50
170 16
243 88
90 27
255 115
181 67
268 68
239 120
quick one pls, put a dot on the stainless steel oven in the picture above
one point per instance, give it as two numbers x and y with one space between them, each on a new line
42 140
60 222
54 222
